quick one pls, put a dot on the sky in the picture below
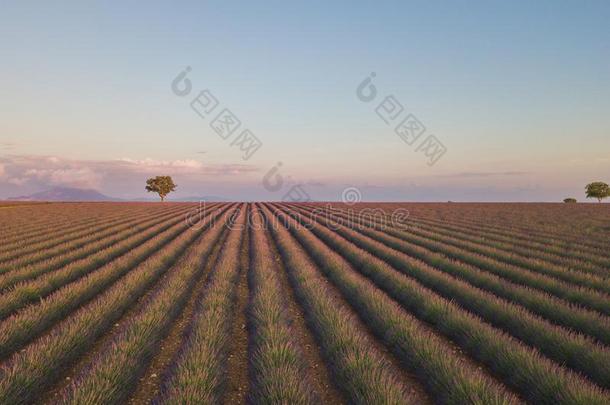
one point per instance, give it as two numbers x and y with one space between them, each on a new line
511 100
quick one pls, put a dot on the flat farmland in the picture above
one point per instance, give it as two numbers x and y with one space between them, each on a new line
304 303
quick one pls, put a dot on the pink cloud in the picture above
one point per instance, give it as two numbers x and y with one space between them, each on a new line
72 176
43 171
187 166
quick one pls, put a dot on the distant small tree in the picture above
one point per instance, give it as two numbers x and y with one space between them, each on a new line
162 185
598 189
569 200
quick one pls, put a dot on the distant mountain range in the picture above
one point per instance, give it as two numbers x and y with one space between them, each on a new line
79 194
65 194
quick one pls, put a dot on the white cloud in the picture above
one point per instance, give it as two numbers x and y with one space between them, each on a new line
186 167
70 176
44 171
149 164
7 145
17 181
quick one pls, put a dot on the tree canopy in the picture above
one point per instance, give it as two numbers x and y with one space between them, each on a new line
569 200
597 189
162 185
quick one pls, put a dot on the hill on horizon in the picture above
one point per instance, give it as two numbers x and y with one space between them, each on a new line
79 194
65 194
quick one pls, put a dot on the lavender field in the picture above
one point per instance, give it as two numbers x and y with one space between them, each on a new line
304 303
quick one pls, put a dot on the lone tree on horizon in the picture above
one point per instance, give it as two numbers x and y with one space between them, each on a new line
597 189
162 185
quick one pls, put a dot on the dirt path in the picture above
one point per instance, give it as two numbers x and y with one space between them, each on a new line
73 370
69 373
318 371
407 378
150 383
238 381
466 361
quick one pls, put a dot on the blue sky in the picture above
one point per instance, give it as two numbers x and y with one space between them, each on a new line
517 92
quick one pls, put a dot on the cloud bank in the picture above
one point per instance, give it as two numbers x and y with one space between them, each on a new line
27 173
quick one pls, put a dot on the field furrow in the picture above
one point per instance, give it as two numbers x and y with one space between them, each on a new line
513 250
49 231
97 256
555 310
447 376
22 220
127 355
45 261
198 374
559 344
575 294
279 371
24 325
512 228
28 372
124 254
573 259
501 353
319 368
237 364
304 303
574 274
74 240
149 386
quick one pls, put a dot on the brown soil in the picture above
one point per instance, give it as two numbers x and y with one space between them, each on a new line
151 380
409 380
68 373
465 361
319 374
238 382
